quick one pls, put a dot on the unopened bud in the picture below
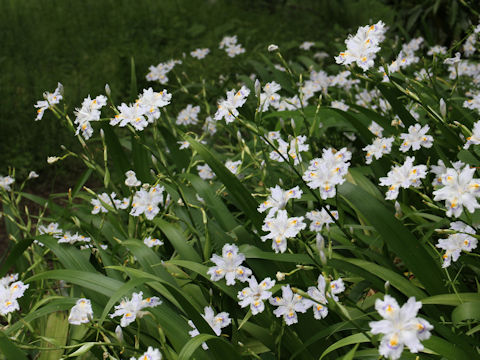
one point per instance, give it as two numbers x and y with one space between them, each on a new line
443 108
280 276
258 88
320 242
107 90
32 175
119 333
52 159
398 210
272 47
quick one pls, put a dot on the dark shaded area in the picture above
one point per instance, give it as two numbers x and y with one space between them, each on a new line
86 44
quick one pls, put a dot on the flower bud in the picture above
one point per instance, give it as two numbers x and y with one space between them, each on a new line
32 175
258 88
119 333
443 108
52 159
280 276
107 90
398 210
320 242
272 47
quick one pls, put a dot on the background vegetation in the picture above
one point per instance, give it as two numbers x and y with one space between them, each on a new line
86 44
376 248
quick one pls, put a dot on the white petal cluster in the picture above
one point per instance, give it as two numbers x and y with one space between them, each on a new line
343 80
289 304
255 294
306 45
90 111
319 82
473 139
362 48
210 125
130 309
297 145
278 198
68 238
233 166
151 242
146 201
270 95
415 138
144 111
10 291
456 243
328 171
151 102
131 179
50 100
5 182
403 176
188 116
454 60
81 312
150 354
227 108
440 170
231 46
216 322
367 99
235 50
376 129
195 332
465 68
319 218
205 172
110 200
380 147
474 103
469 45
51 229
229 266
200 53
459 190
319 294
159 72
183 144
400 327
437 50
413 45
336 287
405 58
291 149
339 104
281 228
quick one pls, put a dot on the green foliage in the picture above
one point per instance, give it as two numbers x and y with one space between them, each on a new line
378 247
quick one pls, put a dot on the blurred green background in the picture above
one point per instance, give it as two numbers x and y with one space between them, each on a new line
85 44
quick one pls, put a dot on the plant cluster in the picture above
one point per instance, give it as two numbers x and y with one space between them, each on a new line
288 213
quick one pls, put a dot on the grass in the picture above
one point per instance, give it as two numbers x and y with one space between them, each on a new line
86 44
